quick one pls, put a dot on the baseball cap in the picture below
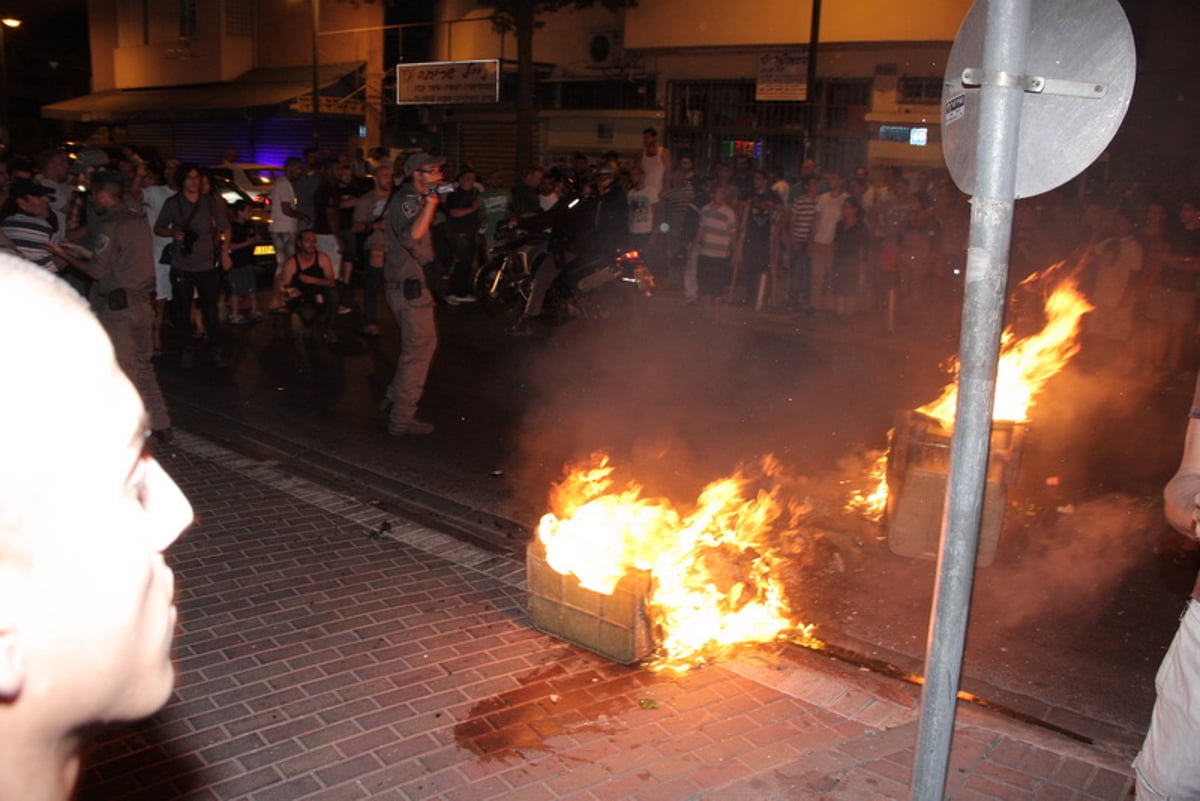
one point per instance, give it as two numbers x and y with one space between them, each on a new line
420 161
27 187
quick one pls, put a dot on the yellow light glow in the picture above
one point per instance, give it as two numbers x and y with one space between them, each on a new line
11 22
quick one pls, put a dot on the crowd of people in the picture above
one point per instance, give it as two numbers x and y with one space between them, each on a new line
97 250
348 231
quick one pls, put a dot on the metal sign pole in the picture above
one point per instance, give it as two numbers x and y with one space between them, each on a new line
1001 97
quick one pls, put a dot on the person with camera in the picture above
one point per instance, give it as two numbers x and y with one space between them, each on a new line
199 250
408 220
123 290
369 225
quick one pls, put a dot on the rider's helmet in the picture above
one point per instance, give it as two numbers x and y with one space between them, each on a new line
566 177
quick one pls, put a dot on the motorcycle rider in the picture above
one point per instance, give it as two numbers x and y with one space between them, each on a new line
566 222
586 223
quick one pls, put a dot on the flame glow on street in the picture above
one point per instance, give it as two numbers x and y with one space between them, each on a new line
715 574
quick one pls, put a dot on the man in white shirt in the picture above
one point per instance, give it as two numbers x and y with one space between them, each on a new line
283 222
820 245
655 162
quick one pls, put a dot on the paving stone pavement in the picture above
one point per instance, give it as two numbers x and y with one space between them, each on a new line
324 655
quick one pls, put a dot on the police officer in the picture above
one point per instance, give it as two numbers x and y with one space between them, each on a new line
409 246
124 289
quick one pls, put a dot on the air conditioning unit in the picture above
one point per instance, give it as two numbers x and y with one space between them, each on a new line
606 49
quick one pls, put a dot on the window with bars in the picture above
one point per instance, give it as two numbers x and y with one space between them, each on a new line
920 91
187 18
838 104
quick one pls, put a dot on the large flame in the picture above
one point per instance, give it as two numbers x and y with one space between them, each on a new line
1025 365
715 573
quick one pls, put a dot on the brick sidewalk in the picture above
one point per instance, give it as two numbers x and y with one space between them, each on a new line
321 657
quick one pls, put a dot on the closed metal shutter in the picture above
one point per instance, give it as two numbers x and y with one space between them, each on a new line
267 140
489 147
276 139
202 142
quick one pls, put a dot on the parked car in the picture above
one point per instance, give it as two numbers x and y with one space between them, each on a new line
256 180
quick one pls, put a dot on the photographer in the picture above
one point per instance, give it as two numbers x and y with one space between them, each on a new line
199 250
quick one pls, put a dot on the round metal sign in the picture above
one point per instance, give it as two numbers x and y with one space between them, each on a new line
1078 80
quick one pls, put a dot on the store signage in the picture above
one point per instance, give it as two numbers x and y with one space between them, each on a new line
782 76
443 82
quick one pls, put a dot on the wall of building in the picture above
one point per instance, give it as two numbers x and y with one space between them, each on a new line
563 40
692 23
285 33
137 44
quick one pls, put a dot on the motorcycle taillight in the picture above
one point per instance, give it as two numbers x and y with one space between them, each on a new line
631 255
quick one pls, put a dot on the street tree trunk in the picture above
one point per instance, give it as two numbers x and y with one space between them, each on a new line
524 20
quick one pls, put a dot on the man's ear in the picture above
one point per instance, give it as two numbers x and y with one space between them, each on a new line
12 656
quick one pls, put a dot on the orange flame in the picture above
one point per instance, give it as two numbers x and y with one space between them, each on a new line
1026 364
872 501
1024 367
715 574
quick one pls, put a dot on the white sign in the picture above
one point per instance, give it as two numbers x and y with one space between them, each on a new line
441 82
782 76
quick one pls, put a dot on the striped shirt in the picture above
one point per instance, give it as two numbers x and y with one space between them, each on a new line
804 214
30 234
718 224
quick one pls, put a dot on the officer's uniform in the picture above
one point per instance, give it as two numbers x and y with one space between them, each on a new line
414 314
123 299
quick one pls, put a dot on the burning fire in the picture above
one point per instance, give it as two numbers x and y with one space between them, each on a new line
1024 367
715 574
1026 364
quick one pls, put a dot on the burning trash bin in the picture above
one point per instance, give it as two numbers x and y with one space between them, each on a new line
918 467
632 578
616 626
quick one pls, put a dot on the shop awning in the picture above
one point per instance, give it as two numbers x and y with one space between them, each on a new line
266 89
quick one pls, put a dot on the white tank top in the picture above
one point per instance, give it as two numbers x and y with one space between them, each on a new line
654 167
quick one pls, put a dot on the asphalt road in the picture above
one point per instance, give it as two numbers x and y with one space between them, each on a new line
1068 623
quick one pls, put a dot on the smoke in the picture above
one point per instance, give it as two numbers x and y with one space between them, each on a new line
1069 566
680 401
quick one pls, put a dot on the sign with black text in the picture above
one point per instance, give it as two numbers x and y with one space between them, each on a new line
443 82
782 76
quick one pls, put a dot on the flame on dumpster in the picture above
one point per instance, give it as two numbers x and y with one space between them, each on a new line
1024 367
1026 364
715 575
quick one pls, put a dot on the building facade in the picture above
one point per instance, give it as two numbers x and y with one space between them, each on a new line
198 78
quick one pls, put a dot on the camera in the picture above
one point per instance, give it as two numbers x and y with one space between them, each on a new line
442 189
189 240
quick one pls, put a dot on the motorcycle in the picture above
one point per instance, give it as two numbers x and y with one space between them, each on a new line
586 288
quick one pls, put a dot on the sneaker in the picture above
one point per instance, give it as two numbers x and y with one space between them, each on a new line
411 428
237 319
455 300
344 310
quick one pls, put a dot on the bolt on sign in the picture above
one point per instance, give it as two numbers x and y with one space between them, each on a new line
445 82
